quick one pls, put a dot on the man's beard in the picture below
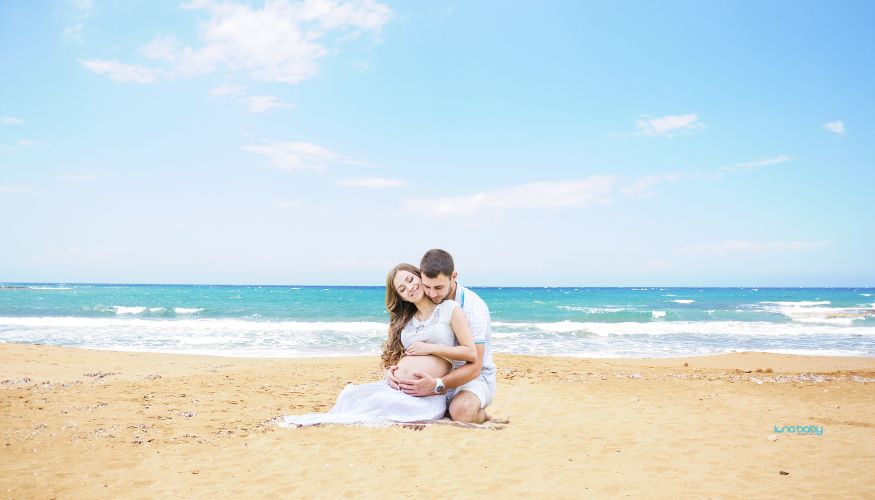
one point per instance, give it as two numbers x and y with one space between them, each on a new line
441 299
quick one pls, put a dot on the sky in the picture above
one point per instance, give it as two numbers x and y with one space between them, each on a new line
578 143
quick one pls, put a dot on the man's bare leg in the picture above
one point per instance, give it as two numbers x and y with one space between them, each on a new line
465 407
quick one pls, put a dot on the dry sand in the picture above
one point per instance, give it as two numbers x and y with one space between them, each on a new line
97 424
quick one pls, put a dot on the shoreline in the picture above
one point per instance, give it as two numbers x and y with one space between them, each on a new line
103 424
376 355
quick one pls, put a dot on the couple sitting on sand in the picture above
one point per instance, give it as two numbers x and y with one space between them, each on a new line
437 357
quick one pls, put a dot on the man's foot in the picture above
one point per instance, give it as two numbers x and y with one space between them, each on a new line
481 417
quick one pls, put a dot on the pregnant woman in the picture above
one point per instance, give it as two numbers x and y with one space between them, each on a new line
422 338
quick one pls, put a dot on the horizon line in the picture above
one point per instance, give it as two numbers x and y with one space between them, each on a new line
5 284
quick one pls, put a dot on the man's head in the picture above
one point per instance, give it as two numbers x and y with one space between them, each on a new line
438 274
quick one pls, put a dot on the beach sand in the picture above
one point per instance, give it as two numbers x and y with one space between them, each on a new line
98 424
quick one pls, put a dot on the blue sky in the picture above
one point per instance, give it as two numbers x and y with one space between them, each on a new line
542 143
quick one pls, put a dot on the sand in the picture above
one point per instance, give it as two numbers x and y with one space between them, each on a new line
99 424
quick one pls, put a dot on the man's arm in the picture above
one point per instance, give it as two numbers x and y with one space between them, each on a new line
465 373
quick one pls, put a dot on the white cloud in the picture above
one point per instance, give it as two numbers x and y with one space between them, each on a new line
669 125
751 165
536 195
228 89
262 103
736 246
837 127
28 142
372 183
296 156
121 72
279 42
10 120
641 187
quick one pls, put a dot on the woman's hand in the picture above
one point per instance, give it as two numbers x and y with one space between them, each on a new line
391 379
419 349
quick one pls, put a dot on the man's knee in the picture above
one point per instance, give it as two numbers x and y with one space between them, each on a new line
465 407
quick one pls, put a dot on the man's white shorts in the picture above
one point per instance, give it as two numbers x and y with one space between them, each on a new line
480 387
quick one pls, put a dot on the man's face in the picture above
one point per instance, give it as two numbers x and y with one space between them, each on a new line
438 288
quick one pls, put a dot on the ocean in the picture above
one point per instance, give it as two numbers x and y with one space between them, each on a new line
290 321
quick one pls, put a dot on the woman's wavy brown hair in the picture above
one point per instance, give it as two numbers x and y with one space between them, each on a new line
400 312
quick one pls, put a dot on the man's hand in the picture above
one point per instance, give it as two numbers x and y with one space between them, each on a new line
422 385
391 379
419 349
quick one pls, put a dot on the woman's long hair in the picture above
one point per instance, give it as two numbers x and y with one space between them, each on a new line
400 312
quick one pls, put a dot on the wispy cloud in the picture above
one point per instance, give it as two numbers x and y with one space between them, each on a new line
736 246
640 188
73 33
262 103
20 144
121 72
79 177
282 41
297 156
78 15
752 165
669 125
164 48
15 189
285 204
536 195
253 103
83 6
372 183
10 120
837 127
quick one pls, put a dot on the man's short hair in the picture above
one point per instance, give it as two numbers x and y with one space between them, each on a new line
436 262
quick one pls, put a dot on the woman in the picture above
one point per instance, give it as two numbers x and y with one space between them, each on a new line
422 337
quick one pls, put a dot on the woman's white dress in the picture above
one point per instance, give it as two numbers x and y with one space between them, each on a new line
376 402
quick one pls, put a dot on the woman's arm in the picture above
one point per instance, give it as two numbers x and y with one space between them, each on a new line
465 351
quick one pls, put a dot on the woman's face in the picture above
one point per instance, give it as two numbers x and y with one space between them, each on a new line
408 286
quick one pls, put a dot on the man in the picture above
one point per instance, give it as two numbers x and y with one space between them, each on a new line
470 387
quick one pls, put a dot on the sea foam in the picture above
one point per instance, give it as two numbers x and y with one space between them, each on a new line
815 312
187 310
129 310
691 328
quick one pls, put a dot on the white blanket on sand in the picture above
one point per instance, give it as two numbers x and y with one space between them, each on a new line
374 403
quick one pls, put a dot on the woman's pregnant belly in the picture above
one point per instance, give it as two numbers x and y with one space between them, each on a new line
432 365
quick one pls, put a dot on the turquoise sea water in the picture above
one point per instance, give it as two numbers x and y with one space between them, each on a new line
330 320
